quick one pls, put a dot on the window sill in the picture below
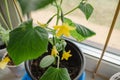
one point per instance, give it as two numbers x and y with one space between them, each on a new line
109 57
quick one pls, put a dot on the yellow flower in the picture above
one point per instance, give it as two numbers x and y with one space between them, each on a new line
66 55
4 62
41 24
54 51
63 30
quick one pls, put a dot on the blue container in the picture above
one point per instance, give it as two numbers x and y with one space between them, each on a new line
27 77
83 76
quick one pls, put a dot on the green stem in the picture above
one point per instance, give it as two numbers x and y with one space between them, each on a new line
64 14
8 14
57 17
58 62
57 13
63 48
18 10
61 2
51 18
54 14
54 42
4 21
49 28
71 11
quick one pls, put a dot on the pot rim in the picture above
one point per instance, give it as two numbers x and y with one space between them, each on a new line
7 64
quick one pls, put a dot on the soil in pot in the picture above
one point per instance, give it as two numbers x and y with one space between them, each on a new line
2 50
74 64
10 63
2 46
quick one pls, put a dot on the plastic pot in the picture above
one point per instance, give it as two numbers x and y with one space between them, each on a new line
77 60
18 70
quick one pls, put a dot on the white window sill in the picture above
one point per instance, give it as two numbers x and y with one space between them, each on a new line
110 57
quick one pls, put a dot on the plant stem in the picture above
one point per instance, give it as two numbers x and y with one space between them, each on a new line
61 2
57 13
57 17
64 14
18 10
4 21
71 11
58 62
49 28
51 18
54 41
8 14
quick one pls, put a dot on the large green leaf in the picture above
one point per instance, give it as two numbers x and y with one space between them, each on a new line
83 31
30 5
27 42
86 8
56 74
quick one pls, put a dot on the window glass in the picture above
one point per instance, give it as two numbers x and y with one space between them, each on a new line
102 17
115 38
99 21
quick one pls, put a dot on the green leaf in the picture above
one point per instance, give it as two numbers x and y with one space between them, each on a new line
30 5
4 34
27 42
47 61
83 31
56 74
69 21
86 8
60 44
76 35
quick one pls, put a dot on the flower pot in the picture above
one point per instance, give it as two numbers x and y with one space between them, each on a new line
18 70
116 76
75 65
